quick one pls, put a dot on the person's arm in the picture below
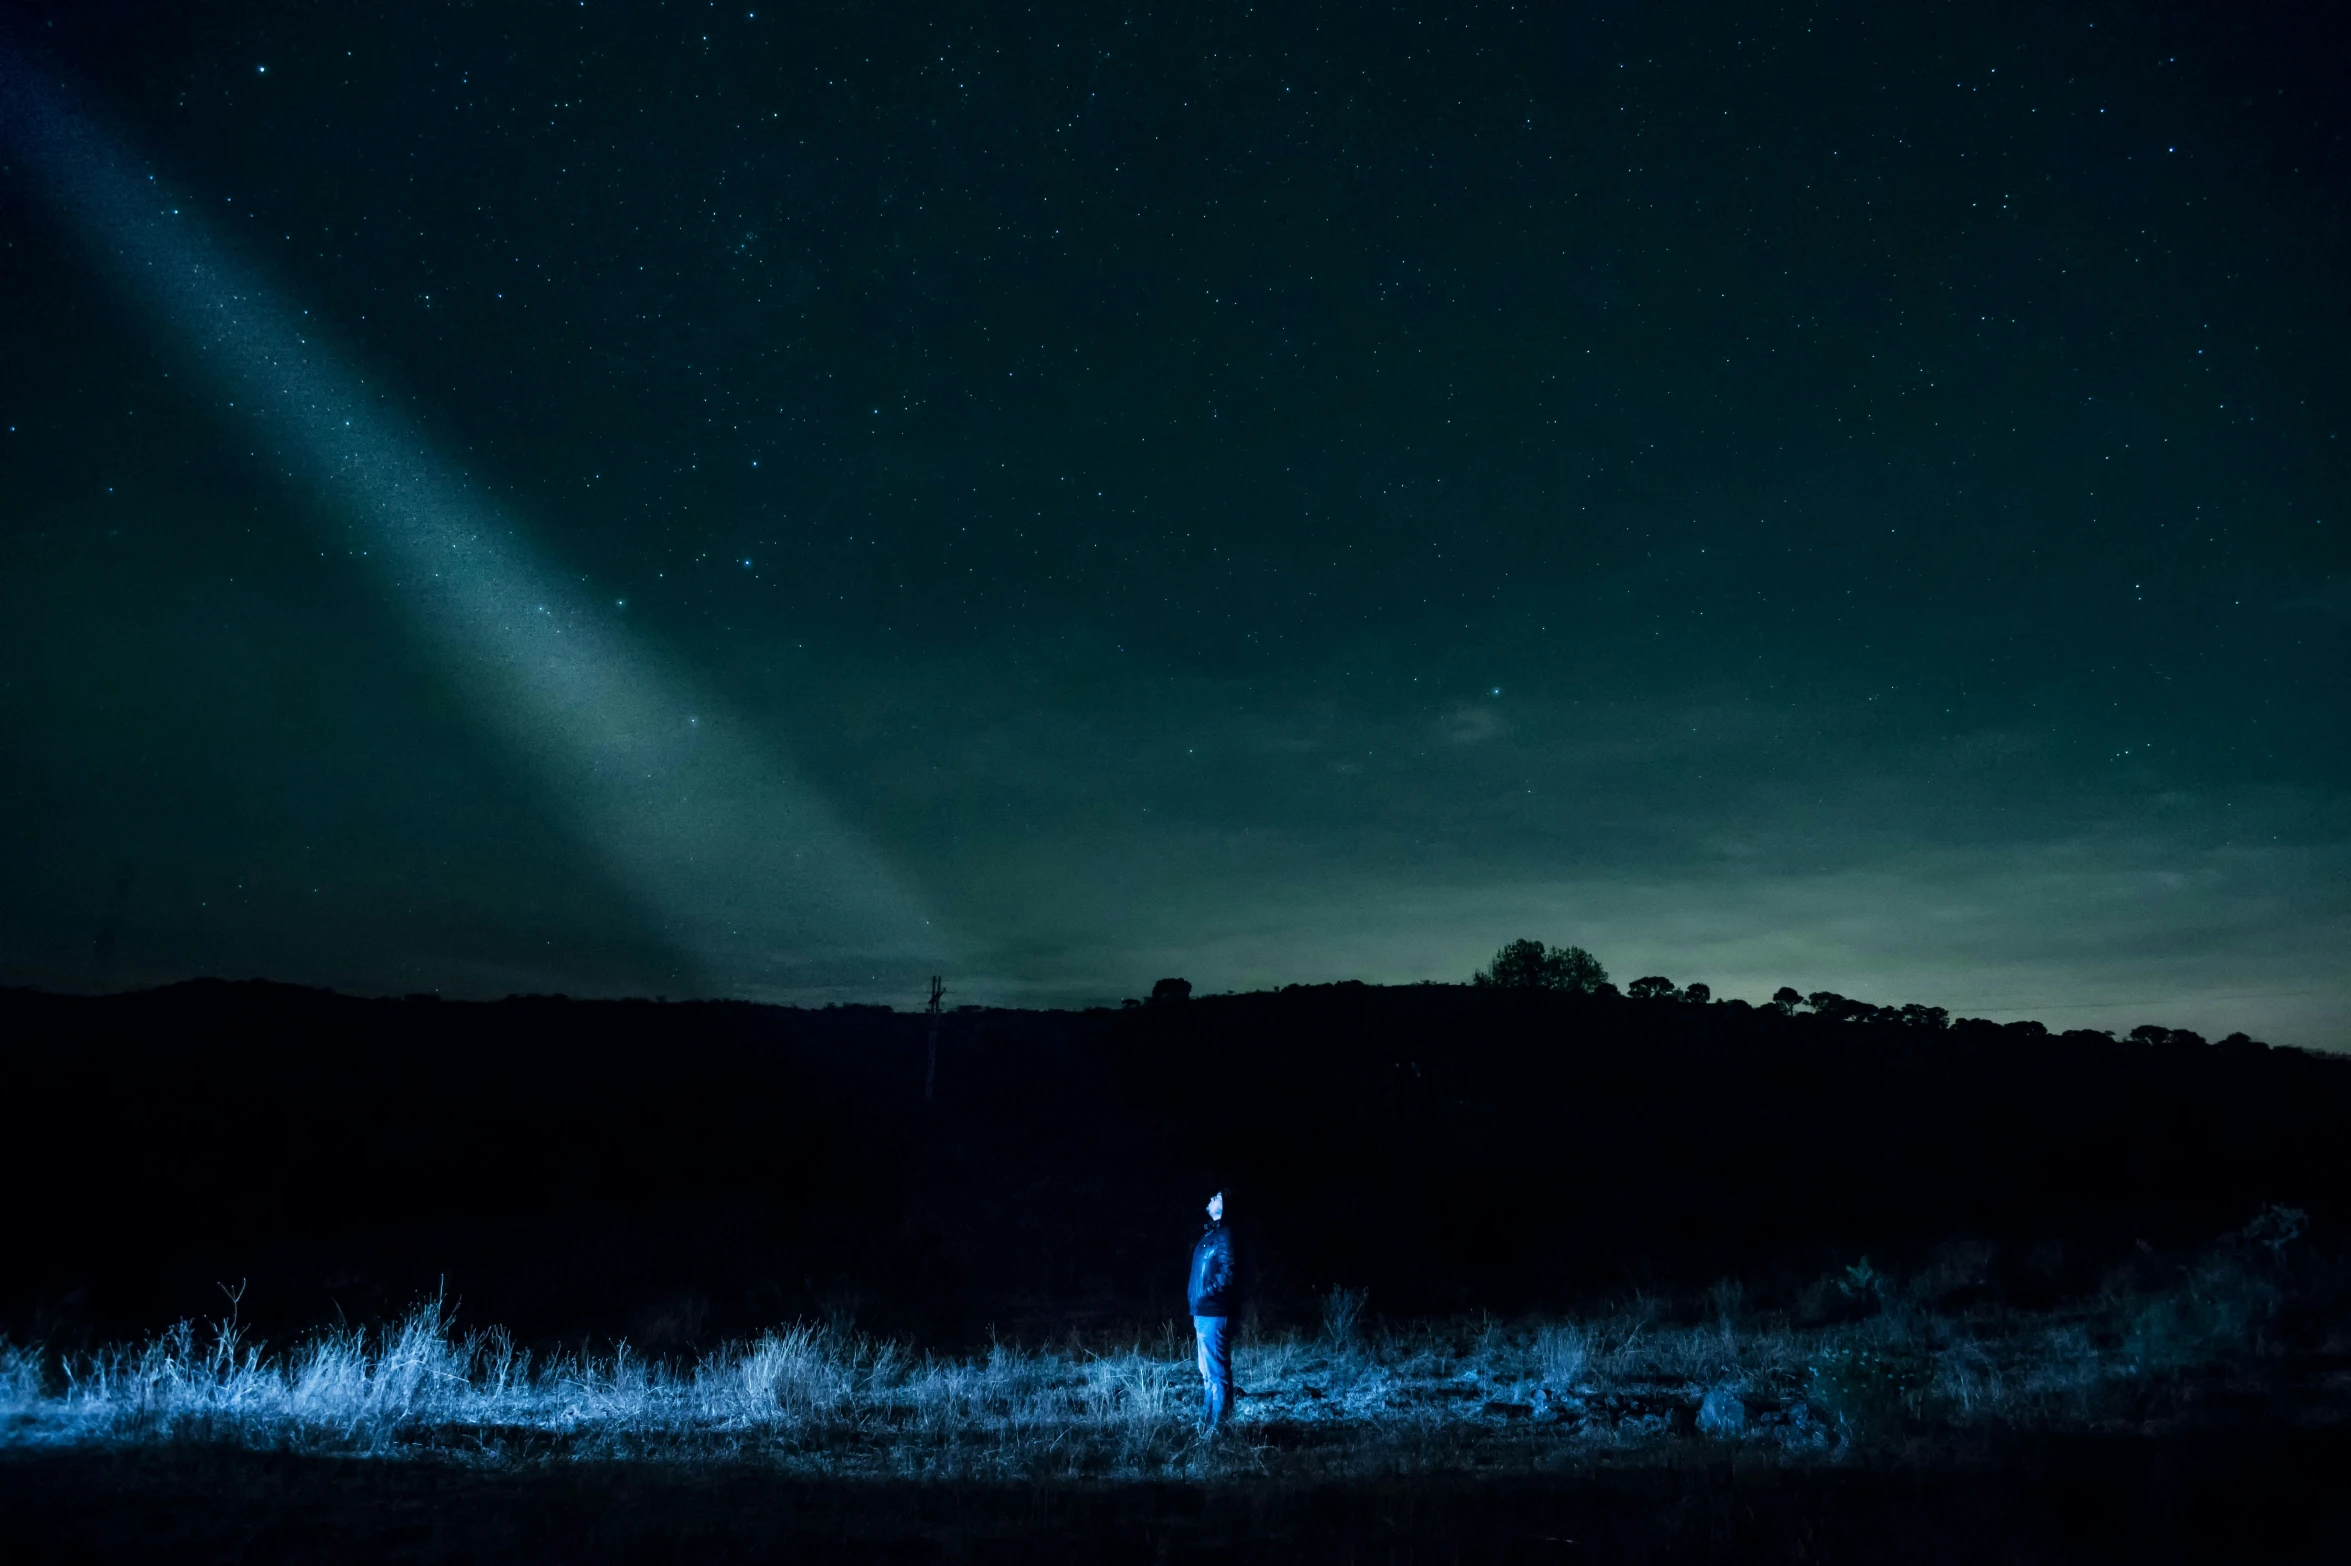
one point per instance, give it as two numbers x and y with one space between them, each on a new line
1220 1264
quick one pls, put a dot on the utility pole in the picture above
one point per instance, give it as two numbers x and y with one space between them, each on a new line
930 1070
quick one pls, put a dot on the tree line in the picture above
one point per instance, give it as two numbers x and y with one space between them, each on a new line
1531 965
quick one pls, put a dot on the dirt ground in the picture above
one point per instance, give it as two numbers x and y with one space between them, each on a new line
2271 1497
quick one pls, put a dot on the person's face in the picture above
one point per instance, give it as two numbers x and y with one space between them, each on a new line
1216 1208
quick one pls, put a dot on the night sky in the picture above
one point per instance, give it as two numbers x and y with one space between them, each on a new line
689 499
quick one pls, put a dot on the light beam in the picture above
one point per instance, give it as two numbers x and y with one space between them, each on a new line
742 864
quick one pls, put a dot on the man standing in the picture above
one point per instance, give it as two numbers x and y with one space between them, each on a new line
1214 1291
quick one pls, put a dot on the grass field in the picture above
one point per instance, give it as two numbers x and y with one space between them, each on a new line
1477 1394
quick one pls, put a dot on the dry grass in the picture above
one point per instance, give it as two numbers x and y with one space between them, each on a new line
1470 1393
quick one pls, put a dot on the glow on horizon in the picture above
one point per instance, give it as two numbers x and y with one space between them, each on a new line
745 868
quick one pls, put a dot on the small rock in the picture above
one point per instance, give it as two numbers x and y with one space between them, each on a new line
1546 1408
1722 1413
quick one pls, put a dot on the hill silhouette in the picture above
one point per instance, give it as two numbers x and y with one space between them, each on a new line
678 1173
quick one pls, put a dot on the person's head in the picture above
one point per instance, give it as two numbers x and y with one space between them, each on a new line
1216 1208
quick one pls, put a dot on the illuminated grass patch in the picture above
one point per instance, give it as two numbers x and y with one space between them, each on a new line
1471 1393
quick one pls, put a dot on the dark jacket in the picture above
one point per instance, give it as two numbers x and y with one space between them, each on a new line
1215 1286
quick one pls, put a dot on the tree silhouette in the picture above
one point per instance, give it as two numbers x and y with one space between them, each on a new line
1785 1000
1837 1008
1171 992
1530 965
1655 987
1698 994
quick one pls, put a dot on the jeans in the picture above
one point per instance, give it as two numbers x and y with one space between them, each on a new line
1216 1364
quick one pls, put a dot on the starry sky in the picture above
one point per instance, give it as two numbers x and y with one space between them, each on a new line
1065 496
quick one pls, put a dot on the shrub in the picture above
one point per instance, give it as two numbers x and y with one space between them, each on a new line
20 1378
1863 1285
1562 1352
1342 1317
2274 1228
